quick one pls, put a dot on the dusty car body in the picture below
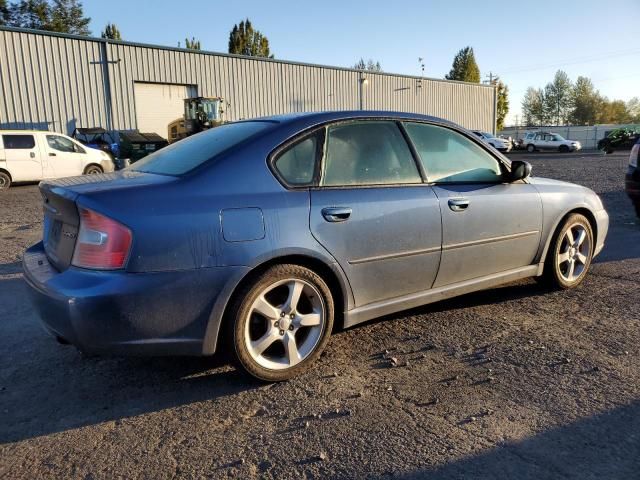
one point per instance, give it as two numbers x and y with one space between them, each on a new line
261 235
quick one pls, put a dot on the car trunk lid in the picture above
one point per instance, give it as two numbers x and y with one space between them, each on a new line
61 224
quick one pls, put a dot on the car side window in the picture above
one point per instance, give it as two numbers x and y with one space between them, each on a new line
18 142
61 144
450 157
297 164
367 153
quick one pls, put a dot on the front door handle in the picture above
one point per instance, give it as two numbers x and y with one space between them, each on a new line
51 154
336 214
458 204
32 154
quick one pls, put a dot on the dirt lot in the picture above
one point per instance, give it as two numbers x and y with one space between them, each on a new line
515 382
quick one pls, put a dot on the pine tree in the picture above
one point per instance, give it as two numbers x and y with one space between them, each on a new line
370 65
33 14
67 16
5 13
111 32
464 67
533 107
502 106
192 44
558 98
244 40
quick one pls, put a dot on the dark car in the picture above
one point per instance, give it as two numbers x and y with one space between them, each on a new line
261 235
632 178
620 139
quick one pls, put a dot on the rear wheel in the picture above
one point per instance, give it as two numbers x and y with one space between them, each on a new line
93 170
282 322
5 180
570 253
531 148
563 148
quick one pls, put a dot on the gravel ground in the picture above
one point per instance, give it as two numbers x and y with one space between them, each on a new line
514 382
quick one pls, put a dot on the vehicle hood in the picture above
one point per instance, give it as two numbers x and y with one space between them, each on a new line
551 182
122 179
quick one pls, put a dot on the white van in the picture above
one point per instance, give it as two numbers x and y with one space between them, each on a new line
30 156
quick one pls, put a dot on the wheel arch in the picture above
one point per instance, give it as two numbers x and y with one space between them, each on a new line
554 230
329 271
92 164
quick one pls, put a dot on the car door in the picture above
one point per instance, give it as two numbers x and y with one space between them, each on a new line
373 213
22 156
553 142
63 156
540 142
488 226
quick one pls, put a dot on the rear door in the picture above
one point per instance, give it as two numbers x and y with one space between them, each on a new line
373 212
488 226
64 157
22 156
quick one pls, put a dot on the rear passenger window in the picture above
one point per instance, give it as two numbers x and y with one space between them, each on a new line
18 142
368 153
297 164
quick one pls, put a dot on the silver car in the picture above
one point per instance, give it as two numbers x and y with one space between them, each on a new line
549 141
264 235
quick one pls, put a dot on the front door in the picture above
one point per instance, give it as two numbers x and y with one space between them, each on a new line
63 157
488 226
23 157
373 213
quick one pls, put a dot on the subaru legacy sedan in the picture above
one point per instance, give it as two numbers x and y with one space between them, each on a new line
263 236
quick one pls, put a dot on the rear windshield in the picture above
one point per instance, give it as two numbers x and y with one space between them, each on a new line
191 152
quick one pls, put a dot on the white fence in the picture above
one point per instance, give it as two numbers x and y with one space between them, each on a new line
588 136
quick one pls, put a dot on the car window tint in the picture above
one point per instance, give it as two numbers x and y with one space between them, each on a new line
18 142
368 153
450 157
297 164
61 144
185 155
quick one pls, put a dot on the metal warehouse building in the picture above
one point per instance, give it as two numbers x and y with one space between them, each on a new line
60 82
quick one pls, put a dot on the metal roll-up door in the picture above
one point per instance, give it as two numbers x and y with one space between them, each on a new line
158 104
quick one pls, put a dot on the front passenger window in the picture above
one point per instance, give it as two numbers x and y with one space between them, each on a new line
60 144
450 157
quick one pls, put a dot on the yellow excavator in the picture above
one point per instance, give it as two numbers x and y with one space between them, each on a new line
200 113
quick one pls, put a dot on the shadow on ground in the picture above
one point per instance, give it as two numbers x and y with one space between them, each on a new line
606 445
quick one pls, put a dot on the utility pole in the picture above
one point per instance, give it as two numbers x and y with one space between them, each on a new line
493 79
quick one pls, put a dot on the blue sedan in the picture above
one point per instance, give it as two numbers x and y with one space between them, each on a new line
263 236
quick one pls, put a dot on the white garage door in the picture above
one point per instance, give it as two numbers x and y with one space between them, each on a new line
158 104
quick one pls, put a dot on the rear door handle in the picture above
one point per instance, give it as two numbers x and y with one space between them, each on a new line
336 214
458 204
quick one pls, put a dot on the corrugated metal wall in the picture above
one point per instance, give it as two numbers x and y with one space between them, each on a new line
57 82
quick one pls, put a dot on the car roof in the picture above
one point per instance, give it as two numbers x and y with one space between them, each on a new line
11 132
303 119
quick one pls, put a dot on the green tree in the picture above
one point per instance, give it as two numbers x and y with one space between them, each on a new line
244 40
370 65
5 13
633 107
111 32
502 107
464 67
33 14
192 44
586 102
64 16
613 111
558 98
533 109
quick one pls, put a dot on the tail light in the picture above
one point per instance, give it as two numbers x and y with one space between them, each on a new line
103 244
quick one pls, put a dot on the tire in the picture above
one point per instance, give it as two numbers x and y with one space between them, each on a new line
270 341
559 273
93 170
531 148
563 149
5 180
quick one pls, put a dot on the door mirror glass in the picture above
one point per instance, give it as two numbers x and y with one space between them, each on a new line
519 170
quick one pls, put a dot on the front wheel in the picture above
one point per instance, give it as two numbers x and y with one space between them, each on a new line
93 170
282 322
5 180
531 148
570 253
563 149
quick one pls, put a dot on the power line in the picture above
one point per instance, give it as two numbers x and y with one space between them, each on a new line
576 60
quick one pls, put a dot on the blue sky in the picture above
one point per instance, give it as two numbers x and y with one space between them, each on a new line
525 43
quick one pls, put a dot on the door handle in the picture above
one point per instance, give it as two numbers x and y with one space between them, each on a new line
32 155
458 204
51 154
336 214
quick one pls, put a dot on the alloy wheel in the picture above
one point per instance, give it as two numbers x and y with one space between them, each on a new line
284 324
573 254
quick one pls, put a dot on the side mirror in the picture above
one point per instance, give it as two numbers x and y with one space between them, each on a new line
519 170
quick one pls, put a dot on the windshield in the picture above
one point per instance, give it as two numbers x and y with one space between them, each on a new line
558 138
180 157
488 135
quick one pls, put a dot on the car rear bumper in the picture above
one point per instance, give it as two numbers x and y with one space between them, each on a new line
159 313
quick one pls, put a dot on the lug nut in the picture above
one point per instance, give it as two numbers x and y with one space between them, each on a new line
292 316
282 314
281 332
276 324
290 327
